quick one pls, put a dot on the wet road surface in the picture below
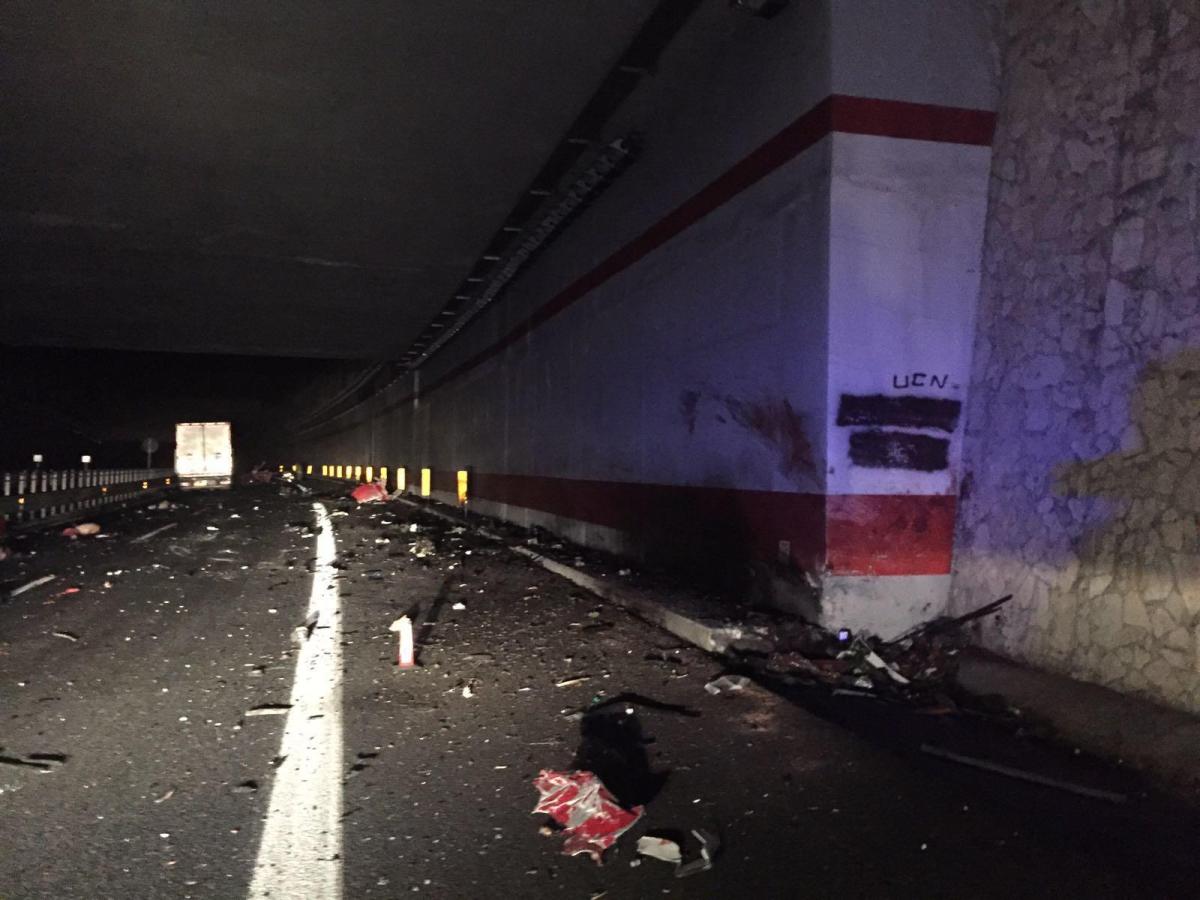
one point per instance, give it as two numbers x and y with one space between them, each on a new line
159 774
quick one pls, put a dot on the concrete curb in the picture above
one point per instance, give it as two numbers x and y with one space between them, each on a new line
709 638
706 637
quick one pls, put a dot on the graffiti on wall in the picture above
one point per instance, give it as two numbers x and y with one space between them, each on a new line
890 432
919 379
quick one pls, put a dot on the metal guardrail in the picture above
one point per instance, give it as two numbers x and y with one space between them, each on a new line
42 497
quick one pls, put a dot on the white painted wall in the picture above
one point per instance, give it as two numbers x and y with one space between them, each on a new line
906 230
921 51
884 605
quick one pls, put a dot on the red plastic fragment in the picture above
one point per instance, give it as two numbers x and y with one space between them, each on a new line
369 492
591 818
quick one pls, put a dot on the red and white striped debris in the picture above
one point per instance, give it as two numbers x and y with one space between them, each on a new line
369 492
592 819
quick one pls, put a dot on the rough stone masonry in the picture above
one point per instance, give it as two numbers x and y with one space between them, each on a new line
1081 491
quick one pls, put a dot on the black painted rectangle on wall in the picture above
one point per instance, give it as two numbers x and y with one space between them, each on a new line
878 449
904 411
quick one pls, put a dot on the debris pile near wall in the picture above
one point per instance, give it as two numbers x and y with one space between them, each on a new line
916 668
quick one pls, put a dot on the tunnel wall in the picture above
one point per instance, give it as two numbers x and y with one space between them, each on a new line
1082 492
655 383
660 382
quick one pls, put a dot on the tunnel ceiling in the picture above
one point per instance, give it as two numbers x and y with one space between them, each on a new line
303 179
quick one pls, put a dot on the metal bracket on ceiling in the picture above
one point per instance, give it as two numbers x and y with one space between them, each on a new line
549 220
639 59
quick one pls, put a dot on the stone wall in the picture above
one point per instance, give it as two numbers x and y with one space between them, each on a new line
1082 456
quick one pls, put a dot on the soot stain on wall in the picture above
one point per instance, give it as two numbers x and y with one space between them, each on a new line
779 426
688 401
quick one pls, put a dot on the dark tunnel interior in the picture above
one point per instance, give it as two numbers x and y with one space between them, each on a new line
757 437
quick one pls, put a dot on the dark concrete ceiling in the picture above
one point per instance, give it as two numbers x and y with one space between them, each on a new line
299 178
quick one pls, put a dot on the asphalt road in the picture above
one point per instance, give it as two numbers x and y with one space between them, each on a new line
155 782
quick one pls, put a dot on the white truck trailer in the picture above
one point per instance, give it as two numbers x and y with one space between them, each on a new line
203 455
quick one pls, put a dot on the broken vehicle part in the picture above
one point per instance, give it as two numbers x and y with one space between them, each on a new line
590 816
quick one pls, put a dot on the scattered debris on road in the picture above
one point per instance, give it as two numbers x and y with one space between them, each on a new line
29 586
590 816
664 849
569 682
529 649
66 635
709 845
310 623
260 474
727 684
83 529
269 709
302 489
371 492
39 762
148 535
629 699
421 548
669 851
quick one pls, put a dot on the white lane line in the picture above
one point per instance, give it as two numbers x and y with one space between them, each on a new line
150 534
300 855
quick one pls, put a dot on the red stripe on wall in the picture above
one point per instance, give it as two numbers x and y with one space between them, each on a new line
868 534
912 121
841 113
889 534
